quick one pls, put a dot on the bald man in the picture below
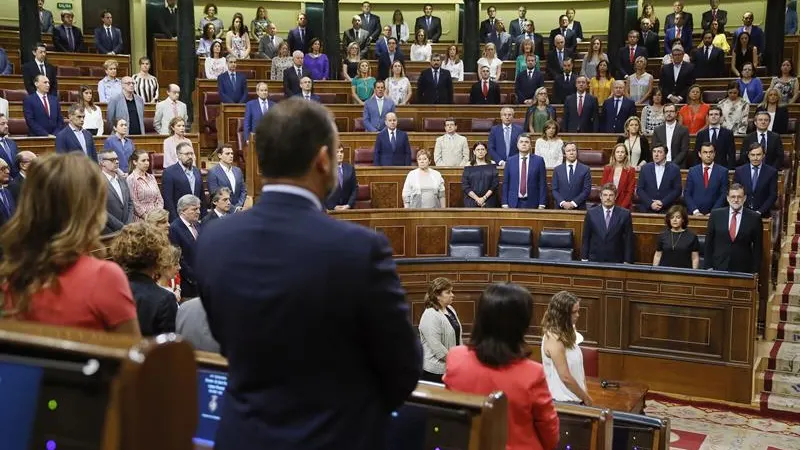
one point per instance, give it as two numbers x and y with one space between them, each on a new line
21 164
168 109
120 105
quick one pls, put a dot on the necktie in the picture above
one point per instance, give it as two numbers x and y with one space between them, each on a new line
299 72
570 174
108 33
732 226
233 79
391 138
560 58
616 106
714 135
708 52
5 149
632 54
429 23
302 35
754 182
341 176
608 219
523 178
507 139
42 70
193 230
6 204
580 105
485 89
763 142
263 107
380 106
307 96
530 74
436 77
174 109
677 33
272 40
567 78
366 19
70 39
190 176
705 176
46 105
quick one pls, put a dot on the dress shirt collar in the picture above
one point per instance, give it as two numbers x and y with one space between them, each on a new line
226 169
607 210
670 126
186 222
220 213
110 178
710 166
75 130
293 190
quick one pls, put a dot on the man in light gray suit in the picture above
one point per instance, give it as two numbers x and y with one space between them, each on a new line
119 205
168 109
45 19
674 137
376 109
359 35
269 43
451 149
118 108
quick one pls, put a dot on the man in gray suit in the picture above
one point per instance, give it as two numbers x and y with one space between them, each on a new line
674 137
359 35
118 108
45 19
269 43
376 109
119 205
168 109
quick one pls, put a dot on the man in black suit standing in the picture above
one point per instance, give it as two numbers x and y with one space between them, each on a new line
676 77
39 66
607 231
166 19
564 86
484 91
528 81
300 36
183 233
570 39
515 28
370 22
733 236
119 204
66 37
536 38
721 137
581 110
760 182
487 27
556 57
435 86
344 194
769 140
649 38
430 23
626 56
292 75
709 61
221 200
688 20
720 15
673 136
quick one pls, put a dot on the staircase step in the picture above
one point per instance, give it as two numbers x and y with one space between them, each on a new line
783 405
783 356
789 294
795 243
783 383
783 331
785 313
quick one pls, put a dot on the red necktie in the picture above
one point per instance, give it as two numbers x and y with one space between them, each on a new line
580 105
678 33
632 54
485 89
523 178
732 226
46 105
705 176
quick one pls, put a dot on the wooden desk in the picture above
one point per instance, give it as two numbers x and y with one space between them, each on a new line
628 397
15 109
152 143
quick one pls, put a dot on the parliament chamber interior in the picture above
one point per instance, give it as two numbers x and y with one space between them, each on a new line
666 112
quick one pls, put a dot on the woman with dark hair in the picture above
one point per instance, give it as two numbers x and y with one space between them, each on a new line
677 246
145 84
145 194
210 11
119 142
561 357
653 114
600 85
142 250
48 273
749 85
399 27
207 37
480 181
258 26
216 64
694 113
735 110
439 328
237 40
94 122
743 52
786 83
316 61
496 359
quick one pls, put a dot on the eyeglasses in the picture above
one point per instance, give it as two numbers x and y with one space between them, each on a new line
128 82
111 159
5 169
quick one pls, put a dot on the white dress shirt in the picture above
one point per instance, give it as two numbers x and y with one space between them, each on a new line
738 219
670 130
231 178
659 169
114 180
523 176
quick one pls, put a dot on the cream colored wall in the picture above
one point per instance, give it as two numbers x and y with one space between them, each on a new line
9 12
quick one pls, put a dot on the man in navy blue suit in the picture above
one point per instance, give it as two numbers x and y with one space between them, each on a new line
580 110
183 233
388 57
300 36
67 37
608 230
232 86
5 65
108 38
525 178
180 179
7 203
756 33
528 81
503 137
376 108
564 86
293 74
659 184
344 194
706 184
225 174
572 180
42 110
721 137
616 109
391 145
626 56
73 137
340 286
760 181
307 90
678 32
255 109
8 148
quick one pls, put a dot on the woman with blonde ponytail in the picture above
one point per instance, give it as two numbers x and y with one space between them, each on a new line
439 328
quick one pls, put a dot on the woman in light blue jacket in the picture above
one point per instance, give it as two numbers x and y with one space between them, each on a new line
439 328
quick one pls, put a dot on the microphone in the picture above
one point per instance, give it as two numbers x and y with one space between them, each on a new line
605 384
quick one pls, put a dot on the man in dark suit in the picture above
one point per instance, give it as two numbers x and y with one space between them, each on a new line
183 233
430 23
676 77
39 66
709 61
307 90
435 86
733 236
386 59
269 43
221 202
370 22
232 86
525 178
300 36
580 110
180 179
720 15
220 177
572 180
108 38
255 109
293 74
344 194
5 66
487 31
8 203
270 310
66 37
166 19
570 39
756 33
8 148
504 136
760 182
767 139
648 38
484 91
42 110
659 184
556 57
119 204
721 137
528 81
706 184
376 108
358 35
616 109
607 231
564 86
626 56
515 28
529 32
677 33
391 145
674 137
73 137
21 165
45 18
382 42
672 18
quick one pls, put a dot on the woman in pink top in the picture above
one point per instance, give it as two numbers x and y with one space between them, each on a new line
143 186
48 274
177 134
496 359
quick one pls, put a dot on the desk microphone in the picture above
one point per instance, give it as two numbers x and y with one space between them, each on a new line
605 384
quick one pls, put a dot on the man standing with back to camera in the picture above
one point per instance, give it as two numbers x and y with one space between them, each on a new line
305 281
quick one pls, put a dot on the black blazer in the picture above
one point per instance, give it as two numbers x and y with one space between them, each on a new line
705 67
210 217
763 196
562 89
61 43
570 39
553 67
624 65
485 29
429 93
725 149
291 82
385 63
373 27
525 87
741 255
180 236
156 307
644 145
166 23
651 43
774 151
781 123
434 32
587 122
708 17
476 94
348 192
614 244
670 86
29 71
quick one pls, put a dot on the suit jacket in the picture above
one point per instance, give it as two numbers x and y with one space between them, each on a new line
762 197
314 97
166 22
708 17
230 92
705 67
536 183
554 67
38 121
525 86
5 66
492 97
587 122
164 115
613 121
563 89
382 46
210 217
486 28
646 154
756 37
538 45
360 36
346 191
578 29
217 179
429 93
774 151
609 245
373 120
29 71
46 21
104 44
117 107
624 65
515 28
669 39
451 152
780 124
704 199
181 237
156 307
8 206
724 147
10 156
743 254
670 86
497 142
626 186
576 190
373 28
119 211
434 31
66 142
688 23
267 48
648 189
353 270
61 41
385 63
291 82
175 184
252 116
295 41
650 42
570 39
678 148
386 155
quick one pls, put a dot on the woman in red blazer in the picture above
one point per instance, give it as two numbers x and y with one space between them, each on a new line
497 359
620 172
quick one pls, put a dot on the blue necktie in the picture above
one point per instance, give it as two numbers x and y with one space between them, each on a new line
4 200
754 182
571 173
507 139
190 178
341 176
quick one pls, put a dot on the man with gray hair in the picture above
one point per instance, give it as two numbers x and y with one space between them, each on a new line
121 106
21 164
119 204
232 86
168 109
183 233
292 75
73 137
357 35
269 43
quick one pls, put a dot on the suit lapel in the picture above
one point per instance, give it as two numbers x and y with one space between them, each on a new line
114 191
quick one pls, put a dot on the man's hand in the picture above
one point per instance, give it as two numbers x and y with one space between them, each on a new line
341 207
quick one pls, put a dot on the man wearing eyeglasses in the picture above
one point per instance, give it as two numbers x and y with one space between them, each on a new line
73 138
128 106
119 205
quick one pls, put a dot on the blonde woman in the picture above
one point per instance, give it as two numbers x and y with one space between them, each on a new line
398 87
110 86
620 173
639 85
363 85
177 134
281 62
491 61
561 357
424 187
526 48
439 328
636 145
350 64
540 112
550 146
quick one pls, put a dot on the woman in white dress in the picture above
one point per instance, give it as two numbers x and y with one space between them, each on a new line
453 63
639 85
653 114
399 27
421 48
491 60
216 64
94 120
424 187
550 146
561 357
397 85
